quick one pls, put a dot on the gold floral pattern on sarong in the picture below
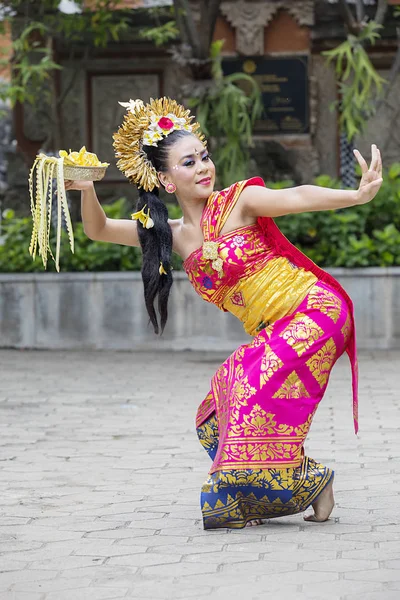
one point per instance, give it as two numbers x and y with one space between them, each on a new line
262 337
208 433
270 364
301 333
325 301
232 498
258 422
240 393
322 361
346 329
220 389
299 430
259 440
257 342
292 387
240 352
205 408
244 453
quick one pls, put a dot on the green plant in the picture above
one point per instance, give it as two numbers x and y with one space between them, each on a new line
359 83
360 236
165 29
89 255
227 113
36 27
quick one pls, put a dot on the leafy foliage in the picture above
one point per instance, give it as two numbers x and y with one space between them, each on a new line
89 255
363 236
163 31
41 22
226 113
359 83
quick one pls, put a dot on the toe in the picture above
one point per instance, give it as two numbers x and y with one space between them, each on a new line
310 518
314 519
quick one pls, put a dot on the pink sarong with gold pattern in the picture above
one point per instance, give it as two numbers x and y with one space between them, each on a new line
264 396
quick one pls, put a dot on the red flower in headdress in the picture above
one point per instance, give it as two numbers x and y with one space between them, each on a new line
165 123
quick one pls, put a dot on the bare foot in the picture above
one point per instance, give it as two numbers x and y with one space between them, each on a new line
254 522
323 505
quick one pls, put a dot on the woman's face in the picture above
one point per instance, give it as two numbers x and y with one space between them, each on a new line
190 169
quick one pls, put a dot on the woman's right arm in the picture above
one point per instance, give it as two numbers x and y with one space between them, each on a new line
96 224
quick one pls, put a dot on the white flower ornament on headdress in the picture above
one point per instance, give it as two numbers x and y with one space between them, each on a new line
160 127
146 125
132 105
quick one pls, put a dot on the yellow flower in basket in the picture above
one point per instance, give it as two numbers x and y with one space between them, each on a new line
83 158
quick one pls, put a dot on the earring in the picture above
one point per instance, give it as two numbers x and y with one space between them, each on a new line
170 188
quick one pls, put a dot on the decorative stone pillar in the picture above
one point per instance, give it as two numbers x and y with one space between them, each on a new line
301 10
251 18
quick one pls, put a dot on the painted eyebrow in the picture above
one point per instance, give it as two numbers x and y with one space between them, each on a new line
192 155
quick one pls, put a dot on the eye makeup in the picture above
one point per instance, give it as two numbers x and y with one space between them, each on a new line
195 153
189 159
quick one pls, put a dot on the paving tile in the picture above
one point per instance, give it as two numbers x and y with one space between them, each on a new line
52 585
142 560
341 565
11 577
95 594
382 594
260 567
221 558
383 575
101 497
178 570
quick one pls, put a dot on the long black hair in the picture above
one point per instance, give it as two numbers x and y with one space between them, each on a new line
156 242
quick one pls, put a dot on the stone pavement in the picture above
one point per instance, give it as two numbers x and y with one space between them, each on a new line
100 475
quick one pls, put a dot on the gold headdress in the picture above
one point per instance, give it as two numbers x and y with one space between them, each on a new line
145 125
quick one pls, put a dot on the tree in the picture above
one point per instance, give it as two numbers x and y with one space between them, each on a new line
193 28
37 27
225 106
360 85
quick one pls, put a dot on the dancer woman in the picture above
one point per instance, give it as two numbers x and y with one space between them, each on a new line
258 412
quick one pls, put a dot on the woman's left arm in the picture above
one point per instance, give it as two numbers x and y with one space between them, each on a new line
262 202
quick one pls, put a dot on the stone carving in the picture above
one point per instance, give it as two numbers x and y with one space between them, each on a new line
250 19
301 10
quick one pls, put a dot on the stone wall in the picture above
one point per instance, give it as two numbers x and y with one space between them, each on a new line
106 311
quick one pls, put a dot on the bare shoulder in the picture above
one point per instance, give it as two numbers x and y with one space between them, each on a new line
176 227
254 200
253 191
243 214
175 224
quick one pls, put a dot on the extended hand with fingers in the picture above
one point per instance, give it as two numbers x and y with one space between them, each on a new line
371 179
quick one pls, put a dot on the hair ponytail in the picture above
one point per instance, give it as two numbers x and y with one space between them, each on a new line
156 244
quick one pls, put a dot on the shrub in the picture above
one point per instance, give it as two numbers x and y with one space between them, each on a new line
89 255
362 236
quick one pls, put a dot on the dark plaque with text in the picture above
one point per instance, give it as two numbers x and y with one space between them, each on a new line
284 86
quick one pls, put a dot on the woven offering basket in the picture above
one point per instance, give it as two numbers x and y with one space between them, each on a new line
84 173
